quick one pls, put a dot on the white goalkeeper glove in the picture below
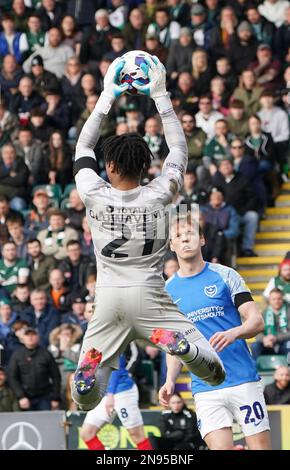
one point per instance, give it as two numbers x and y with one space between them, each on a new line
112 89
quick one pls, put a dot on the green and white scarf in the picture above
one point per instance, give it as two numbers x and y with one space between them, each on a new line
272 318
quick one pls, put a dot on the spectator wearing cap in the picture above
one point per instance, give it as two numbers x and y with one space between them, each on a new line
180 54
275 121
50 13
7 317
222 34
59 156
25 100
76 267
12 41
237 119
166 29
43 79
18 234
274 11
38 124
263 29
55 238
206 117
10 76
40 265
14 176
201 28
34 376
54 54
118 47
36 36
97 41
57 110
266 69
184 94
36 219
31 151
153 47
225 71
239 194
20 299
76 315
65 348
278 392
281 282
41 315
282 37
195 138
58 291
8 401
275 338
243 47
135 30
249 92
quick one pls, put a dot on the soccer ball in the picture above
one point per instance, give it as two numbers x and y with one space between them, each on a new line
135 68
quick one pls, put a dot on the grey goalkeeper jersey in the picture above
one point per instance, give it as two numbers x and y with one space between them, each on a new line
130 229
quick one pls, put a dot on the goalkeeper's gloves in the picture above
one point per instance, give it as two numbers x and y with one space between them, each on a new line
112 89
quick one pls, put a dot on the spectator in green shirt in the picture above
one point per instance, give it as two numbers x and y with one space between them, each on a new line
13 270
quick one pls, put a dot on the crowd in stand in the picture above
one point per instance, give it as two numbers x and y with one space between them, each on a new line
228 74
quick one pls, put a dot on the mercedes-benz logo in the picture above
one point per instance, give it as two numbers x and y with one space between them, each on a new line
21 436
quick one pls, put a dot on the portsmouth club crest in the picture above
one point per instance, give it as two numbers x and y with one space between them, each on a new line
210 291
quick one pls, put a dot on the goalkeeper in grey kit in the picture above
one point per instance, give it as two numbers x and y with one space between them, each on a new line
129 227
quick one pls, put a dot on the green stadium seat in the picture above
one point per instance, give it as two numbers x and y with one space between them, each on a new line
270 363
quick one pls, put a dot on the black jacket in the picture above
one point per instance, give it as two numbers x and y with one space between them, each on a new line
265 150
238 192
33 373
85 268
275 396
180 429
15 185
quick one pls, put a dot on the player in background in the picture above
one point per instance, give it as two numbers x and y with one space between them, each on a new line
222 300
122 399
129 226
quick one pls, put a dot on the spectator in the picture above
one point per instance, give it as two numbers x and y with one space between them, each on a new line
55 238
135 30
91 102
274 11
192 192
201 71
5 210
282 37
225 71
278 393
25 100
39 264
13 177
50 14
260 145
263 29
71 86
154 47
222 34
8 401
34 375
36 36
20 13
248 92
13 270
83 11
76 315
20 300
38 124
220 95
179 12
154 139
214 250
201 28
243 47
65 348
75 211
179 426
59 159
76 267
266 69
86 240
118 47
281 282
31 151
7 317
166 29
18 234
72 37
219 146
184 95
237 119
58 291
54 54
180 54
37 219
8 123
195 138
239 194
10 76
14 340
171 266
206 117
276 337
57 111
43 80
41 315
11 41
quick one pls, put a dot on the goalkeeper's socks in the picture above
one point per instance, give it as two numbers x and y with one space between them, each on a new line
145 445
205 364
95 444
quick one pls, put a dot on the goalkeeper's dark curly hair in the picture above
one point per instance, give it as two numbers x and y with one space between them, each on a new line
129 152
